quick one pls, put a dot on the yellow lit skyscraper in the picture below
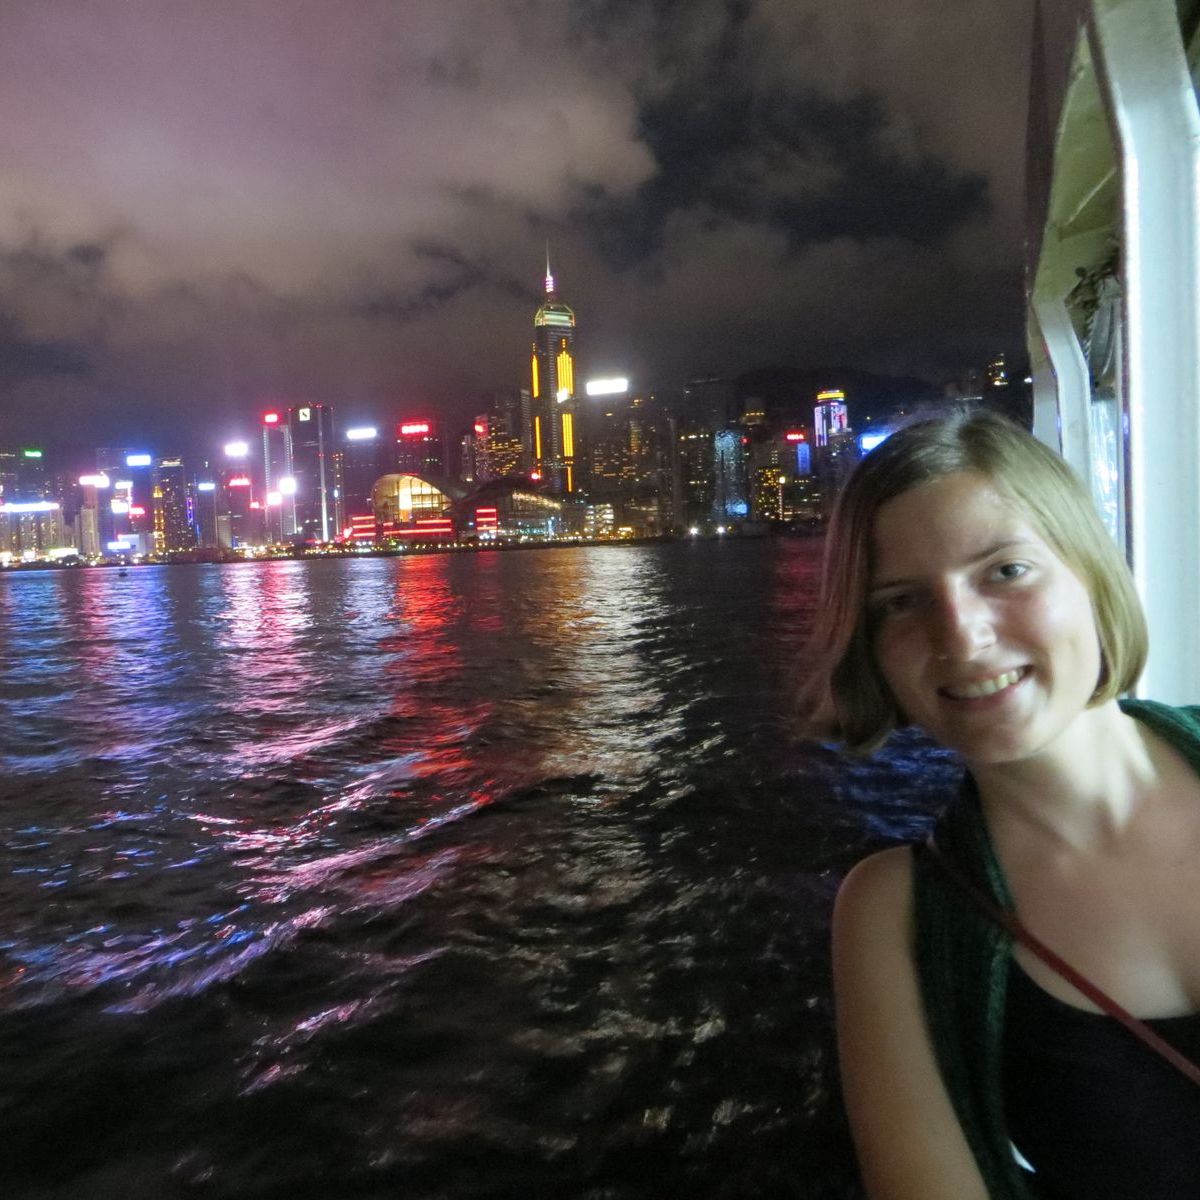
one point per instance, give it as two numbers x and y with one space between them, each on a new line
555 428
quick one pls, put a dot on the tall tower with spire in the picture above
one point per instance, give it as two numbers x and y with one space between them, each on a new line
556 449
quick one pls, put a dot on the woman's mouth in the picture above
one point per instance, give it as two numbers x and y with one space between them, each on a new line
978 689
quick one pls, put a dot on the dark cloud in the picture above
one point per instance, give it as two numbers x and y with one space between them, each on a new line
89 254
456 274
813 168
23 357
349 200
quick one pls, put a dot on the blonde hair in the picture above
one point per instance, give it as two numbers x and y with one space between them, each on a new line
846 699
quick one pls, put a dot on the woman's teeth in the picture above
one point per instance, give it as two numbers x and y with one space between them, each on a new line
984 687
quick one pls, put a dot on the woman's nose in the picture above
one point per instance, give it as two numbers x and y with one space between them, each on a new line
964 624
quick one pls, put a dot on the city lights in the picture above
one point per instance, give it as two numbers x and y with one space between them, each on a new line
526 467
607 387
30 506
830 417
438 527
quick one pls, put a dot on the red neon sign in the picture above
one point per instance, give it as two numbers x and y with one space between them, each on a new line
479 428
795 437
255 504
239 481
412 428
430 527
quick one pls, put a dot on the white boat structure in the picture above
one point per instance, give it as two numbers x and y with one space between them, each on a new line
1114 290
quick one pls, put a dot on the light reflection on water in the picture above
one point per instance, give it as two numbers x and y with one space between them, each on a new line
388 859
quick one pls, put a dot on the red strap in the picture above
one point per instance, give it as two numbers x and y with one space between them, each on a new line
1012 923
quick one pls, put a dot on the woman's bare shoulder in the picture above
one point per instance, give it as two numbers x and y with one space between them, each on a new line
877 890
908 1138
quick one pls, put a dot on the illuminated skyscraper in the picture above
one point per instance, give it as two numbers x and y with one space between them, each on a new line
498 452
31 529
173 528
203 503
132 498
9 475
514 413
830 416
504 435
836 444
240 517
419 447
692 474
317 494
997 372
555 429
731 486
629 450
94 516
471 453
279 486
22 475
364 460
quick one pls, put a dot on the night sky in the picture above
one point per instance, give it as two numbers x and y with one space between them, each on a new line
207 206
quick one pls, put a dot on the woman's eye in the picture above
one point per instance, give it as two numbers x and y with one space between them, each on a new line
897 602
1011 570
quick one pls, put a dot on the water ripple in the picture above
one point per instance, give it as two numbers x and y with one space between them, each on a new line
443 876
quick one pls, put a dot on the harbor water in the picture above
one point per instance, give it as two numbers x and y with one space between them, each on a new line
473 875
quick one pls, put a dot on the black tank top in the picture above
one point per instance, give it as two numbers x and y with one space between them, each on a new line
1097 1114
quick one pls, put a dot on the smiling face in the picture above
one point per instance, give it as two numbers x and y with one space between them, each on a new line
984 636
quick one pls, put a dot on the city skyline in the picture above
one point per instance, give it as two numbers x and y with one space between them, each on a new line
209 211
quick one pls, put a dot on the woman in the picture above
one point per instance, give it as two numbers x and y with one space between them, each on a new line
971 590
